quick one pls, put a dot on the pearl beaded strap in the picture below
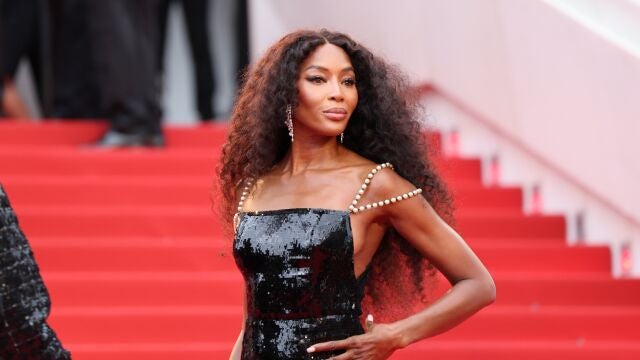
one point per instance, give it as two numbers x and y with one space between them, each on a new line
243 197
354 208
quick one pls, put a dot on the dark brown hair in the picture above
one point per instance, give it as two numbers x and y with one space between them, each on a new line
385 127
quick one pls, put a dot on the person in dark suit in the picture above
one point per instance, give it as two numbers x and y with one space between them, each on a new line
124 35
24 299
21 24
196 16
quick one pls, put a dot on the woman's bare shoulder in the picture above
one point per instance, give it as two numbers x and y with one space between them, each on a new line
357 163
381 179
384 182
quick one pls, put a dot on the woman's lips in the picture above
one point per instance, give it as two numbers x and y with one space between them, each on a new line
335 114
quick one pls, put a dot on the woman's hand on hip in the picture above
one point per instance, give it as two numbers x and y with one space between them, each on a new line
379 342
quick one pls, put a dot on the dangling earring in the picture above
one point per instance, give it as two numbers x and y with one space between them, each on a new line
341 137
289 121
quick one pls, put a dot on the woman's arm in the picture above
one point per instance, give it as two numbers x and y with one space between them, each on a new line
236 351
473 288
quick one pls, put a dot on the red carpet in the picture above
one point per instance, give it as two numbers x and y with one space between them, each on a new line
138 269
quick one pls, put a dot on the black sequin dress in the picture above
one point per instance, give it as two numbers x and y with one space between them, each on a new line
300 284
298 269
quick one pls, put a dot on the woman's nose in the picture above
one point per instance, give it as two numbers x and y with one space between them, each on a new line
335 91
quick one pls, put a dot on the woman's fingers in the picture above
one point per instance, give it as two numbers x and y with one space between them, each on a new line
348 344
331 345
369 323
346 356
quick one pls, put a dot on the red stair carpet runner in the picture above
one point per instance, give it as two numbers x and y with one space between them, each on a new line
138 269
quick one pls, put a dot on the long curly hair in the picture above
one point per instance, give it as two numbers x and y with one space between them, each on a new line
384 127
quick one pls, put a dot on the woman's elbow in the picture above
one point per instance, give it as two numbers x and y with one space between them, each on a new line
489 290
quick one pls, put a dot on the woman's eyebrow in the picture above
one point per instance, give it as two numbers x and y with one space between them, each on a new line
322 68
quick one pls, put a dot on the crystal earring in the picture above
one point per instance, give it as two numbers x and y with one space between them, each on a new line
341 137
289 121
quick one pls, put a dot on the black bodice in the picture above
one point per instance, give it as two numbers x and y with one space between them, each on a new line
300 284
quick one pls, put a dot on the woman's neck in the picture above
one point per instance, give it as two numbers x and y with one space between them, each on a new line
310 152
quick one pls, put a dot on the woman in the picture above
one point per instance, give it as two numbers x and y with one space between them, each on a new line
331 198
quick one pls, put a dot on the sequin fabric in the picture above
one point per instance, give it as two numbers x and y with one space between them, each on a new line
24 300
301 289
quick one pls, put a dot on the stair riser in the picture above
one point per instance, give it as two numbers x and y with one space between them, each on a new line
206 258
80 133
207 292
188 224
454 352
85 132
200 193
203 327
158 163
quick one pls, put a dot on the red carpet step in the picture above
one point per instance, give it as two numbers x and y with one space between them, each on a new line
151 162
429 349
188 190
190 288
211 323
198 254
200 222
52 133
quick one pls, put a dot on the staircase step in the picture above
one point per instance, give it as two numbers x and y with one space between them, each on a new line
78 133
428 349
200 254
221 241
550 323
544 258
202 221
111 190
495 224
515 241
152 162
494 197
190 288
72 133
42 162
202 324
578 349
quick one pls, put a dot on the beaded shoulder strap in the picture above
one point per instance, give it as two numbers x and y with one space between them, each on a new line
354 208
243 197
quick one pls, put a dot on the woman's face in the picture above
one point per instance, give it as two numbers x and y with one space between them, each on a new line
327 92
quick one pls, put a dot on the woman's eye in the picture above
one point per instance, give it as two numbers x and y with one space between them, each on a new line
316 79
349 82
